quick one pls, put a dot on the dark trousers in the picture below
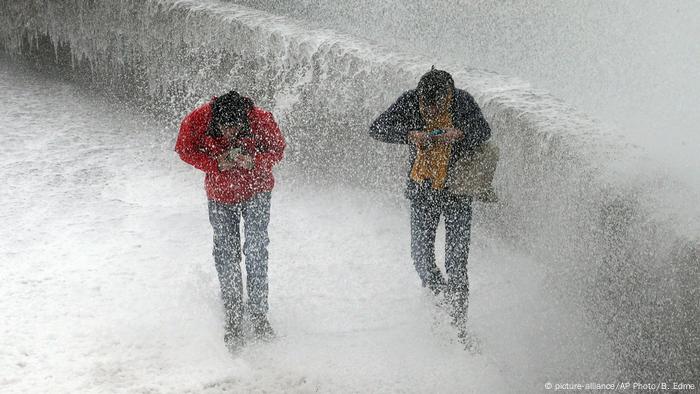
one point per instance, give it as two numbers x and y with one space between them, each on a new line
426 209
225 220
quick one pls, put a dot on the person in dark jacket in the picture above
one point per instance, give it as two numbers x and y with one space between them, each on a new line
236 144
440 124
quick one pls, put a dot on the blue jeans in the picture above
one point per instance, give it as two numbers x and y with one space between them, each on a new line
426 209
225 220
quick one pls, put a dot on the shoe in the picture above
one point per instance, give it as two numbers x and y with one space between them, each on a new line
436 288
457 304
469 341
436 283
234 338
262 330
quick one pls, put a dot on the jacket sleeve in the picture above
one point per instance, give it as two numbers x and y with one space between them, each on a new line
272 142
392 125
188 144
476 129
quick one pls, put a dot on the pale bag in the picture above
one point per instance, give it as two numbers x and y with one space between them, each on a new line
472 175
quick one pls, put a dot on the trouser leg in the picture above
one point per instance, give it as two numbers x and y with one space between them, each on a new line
256 217
425 217
458 213
225 220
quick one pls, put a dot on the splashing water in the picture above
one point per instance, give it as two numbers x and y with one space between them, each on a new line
614 236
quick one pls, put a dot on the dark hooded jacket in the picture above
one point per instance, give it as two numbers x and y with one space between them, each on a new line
393 126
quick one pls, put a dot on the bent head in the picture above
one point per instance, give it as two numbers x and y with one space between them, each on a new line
230 114
435 91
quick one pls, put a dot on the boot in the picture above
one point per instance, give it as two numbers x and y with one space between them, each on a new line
470 342
262 330
436 282
234 337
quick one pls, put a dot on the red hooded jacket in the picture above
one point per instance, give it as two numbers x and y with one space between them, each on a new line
264 143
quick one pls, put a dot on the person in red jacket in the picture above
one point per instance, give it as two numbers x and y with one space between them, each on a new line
236 144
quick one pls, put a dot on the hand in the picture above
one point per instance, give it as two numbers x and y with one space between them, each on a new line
418 138
225 163
450 136
244 161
